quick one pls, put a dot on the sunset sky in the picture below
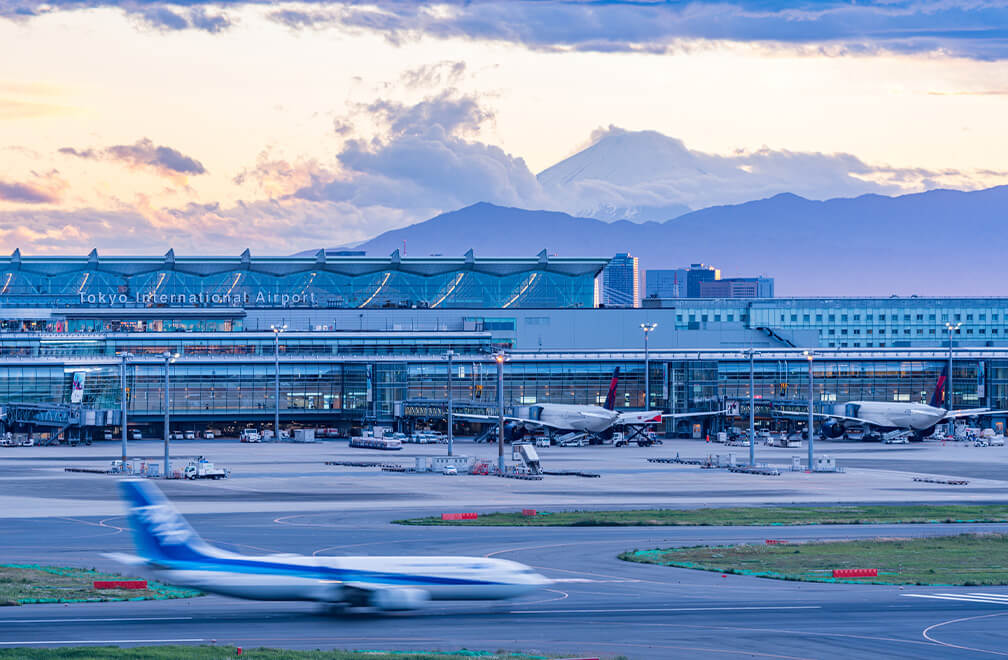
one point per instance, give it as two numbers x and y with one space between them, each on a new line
211 127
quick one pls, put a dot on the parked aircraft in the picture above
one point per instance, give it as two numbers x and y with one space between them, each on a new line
171 551
916 419
597 420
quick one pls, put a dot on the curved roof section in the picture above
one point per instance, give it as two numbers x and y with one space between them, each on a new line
279 266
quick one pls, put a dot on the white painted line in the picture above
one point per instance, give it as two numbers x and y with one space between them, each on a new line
102 641
998 596
131 618
967 599
671 609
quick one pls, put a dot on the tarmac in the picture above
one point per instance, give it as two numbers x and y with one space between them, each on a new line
283 498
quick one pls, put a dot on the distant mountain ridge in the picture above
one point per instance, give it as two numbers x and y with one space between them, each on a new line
940 242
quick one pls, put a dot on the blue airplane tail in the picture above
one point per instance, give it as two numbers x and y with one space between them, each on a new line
160 533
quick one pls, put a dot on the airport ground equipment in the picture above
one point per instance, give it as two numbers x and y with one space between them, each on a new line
527 454
201 468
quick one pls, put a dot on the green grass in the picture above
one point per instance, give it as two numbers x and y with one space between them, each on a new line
218 652
22 584
967 560
783 515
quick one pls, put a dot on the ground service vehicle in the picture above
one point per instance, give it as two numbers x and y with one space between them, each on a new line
250 435
203 469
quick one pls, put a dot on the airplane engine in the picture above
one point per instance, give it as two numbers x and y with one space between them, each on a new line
399 599
832 429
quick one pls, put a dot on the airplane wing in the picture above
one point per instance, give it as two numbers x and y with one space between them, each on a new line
972 412
694 414
492 419
844 418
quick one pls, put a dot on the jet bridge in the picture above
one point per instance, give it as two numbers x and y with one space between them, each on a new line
74 422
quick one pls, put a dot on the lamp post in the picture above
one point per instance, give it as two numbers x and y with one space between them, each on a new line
952 328
168 359
451 410
122 381
276 378
647 328
752 410
811 412
499 358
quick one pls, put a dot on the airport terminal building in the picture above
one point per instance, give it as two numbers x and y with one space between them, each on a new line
364 339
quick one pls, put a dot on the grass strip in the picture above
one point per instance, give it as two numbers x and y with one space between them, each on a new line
780 515
23 584
967 560
216 652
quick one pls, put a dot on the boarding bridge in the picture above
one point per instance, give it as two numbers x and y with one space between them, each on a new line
74 422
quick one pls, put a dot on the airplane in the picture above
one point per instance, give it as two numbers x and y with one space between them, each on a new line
596 420
169 550
916 419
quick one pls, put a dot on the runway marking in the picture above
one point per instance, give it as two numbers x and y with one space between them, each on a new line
672 609
103 641
563 595
927 635
132 618
970 597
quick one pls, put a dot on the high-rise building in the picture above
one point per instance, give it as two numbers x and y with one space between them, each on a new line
738 287
621 282
665 283
700 273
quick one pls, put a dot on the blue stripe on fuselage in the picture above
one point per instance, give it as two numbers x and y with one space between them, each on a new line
259 567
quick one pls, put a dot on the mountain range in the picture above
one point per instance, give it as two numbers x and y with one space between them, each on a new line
940 242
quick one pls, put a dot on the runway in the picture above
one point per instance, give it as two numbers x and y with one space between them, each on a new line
598 606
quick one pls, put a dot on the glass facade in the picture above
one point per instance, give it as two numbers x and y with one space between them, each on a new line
308 282
856 322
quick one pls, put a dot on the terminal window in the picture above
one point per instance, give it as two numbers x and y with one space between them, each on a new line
818 318
843 318
731 317
832 318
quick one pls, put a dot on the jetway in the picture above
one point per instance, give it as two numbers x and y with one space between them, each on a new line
74 422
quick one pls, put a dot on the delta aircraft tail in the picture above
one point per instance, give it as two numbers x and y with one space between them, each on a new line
610 400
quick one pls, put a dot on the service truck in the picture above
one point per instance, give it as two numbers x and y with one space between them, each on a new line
203 469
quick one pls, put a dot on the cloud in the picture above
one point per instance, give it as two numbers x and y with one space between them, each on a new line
144 153
25 193
424 160
269 227
969 28
440 74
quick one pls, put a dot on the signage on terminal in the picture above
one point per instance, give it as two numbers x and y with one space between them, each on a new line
263 298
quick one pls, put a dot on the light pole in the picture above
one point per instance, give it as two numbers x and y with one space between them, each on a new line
752 410
122 380
499 358
451 411
276 378
811 412
647 328
168 359
952 328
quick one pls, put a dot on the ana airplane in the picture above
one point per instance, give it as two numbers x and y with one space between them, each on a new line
916 419
598 420
171 551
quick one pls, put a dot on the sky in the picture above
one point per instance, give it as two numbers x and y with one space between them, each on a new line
135 127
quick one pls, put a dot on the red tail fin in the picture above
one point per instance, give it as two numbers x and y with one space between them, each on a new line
938 398
610 400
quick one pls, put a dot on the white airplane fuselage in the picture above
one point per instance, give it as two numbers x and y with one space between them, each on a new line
342 580
890 415
571 417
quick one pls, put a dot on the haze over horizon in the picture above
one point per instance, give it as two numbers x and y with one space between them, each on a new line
208 128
